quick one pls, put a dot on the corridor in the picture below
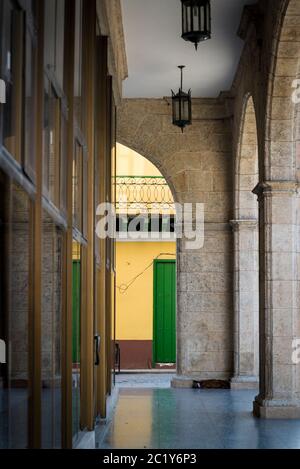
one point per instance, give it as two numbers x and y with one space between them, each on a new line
149 224
193 419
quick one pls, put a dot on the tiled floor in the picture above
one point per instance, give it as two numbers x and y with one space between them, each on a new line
193 419
144 380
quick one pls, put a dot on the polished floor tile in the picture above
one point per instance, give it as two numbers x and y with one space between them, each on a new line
193 419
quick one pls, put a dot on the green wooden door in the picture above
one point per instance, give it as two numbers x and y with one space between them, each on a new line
164 340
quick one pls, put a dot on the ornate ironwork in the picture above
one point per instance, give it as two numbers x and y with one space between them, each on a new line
143 193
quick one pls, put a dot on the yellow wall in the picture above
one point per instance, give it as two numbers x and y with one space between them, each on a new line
76 256
136 196
135 306
130 163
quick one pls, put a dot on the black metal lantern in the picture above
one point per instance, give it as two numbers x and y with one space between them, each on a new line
196 21
182 105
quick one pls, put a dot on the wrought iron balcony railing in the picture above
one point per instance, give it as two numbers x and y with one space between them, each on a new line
143 193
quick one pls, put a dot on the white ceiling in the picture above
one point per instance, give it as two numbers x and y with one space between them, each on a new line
155 48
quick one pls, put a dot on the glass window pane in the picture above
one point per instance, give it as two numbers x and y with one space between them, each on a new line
78 63
60 42
30 106
54 37
78 187
49 33
46 137
11 71
53 146
76 338
63 166
51 333
15 247
51 143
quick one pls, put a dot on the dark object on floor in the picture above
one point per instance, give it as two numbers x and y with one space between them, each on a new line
211 384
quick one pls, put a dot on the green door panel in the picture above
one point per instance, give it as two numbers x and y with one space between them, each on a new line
164 340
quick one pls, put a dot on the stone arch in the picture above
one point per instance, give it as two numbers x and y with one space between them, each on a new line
282 150
278 197
245 227
141 150
246 163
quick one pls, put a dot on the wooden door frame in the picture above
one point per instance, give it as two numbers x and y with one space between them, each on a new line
155 264
102 143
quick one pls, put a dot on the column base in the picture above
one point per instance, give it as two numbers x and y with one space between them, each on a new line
244 382
275 410
187 382
181 382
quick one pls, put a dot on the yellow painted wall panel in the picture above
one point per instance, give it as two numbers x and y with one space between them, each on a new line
130 163
135 305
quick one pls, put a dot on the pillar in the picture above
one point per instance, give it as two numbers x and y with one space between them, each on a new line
279 395
246 304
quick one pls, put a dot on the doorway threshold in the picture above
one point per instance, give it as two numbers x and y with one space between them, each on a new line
152 371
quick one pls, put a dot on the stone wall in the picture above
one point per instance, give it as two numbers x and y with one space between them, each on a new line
198 166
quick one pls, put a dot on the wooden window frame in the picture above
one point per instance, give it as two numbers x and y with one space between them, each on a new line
62 114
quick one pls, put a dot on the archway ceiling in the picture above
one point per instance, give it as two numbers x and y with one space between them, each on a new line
154 49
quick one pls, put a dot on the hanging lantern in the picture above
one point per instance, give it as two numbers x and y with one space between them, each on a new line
196 21
182 105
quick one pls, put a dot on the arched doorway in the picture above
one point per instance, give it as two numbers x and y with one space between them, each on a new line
246 276
146 266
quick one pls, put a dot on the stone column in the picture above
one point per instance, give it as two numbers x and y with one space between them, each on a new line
205 308
279 395
246 304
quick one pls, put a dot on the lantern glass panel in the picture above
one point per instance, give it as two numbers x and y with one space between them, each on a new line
185 109
208 12
196 19
177 109
189 18
184 19
202 19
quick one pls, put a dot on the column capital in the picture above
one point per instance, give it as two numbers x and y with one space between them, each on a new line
244 225
270 188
